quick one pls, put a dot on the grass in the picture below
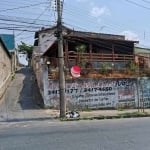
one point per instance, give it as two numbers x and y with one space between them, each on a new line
120 109
13 77
87 110
101 117
134 114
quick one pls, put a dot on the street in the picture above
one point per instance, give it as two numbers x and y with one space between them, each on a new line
74 75
25 126
119 134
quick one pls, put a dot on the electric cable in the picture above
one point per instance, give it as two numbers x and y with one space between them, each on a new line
22 7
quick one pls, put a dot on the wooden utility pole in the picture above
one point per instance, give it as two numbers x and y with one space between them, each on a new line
61 60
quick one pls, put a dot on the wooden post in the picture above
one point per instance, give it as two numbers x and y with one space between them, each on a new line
90 51
66 52
113 49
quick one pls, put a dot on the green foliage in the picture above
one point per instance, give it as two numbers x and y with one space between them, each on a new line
132 66
133 114
81 49
13 77
28 48
104 68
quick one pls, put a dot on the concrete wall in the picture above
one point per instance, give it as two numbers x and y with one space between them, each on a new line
46 39
145 53
144 91
23 58
95 93
89 93
13 61
5 70
138 50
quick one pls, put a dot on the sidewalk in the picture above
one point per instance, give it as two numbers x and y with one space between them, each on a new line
99 113
18 104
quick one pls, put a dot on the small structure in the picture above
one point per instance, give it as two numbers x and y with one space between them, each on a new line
9 42
23 58
142 57
5 68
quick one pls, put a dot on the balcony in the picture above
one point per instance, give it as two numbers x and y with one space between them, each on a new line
98 57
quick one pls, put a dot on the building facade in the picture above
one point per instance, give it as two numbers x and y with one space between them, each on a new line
100 49
5 68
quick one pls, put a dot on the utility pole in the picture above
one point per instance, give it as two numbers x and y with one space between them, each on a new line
61 60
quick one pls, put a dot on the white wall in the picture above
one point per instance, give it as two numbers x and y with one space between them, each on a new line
45 40
22 58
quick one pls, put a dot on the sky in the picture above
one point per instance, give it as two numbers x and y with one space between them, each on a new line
124 17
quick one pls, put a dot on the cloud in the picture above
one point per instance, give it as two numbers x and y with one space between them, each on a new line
99 11
130 35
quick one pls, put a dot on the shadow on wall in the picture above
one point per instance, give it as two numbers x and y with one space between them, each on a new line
30 97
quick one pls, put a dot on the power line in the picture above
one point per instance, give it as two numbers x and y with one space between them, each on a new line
34 20
146 1
73 11
24 20
7 28
19 25
137 4
22 7
28 12
16 3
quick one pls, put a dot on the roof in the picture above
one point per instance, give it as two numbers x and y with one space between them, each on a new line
46 30
96 35
71 32
81 35
105 38
142 50
9 41
5 48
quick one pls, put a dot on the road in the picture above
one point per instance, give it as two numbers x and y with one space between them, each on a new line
21 126
117 134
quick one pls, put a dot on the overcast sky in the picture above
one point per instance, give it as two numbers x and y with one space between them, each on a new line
126 17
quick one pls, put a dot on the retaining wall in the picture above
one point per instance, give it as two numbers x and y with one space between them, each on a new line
100 93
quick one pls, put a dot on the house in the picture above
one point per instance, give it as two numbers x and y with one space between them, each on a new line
5 67
22 58
112 50
142 57
9 42
92 52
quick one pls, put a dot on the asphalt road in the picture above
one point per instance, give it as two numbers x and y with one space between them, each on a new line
119 134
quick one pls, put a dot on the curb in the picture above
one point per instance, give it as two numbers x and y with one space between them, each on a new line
119 116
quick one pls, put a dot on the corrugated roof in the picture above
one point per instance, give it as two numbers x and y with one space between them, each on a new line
9 41
5 48
88 36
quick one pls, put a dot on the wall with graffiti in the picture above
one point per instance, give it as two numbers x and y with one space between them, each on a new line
144 92
94 93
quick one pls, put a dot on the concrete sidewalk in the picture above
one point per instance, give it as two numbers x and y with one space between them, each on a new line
19 102
97 113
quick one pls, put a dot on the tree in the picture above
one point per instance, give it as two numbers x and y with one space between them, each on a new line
24 47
